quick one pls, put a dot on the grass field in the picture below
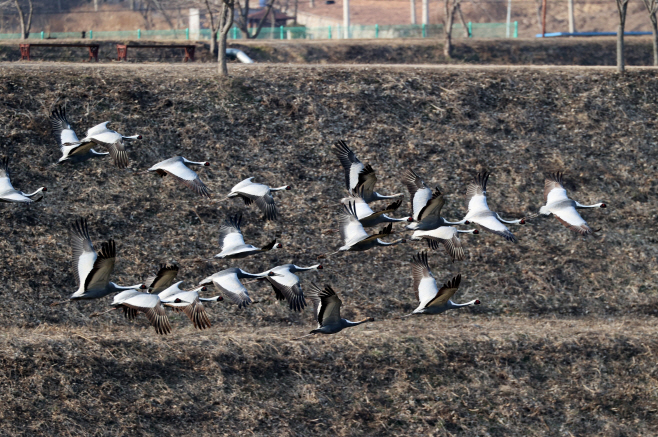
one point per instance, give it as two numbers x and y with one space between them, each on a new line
564 342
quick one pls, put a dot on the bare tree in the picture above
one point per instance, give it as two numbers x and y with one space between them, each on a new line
243 18
451 8
622 5
652 8
225 23
214 29
25 25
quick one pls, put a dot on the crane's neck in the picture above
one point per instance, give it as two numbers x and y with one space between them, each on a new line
210 299
596 205
285 187
132 137
246 275
392 219
511 222
461 222
451 304
350 323
295 268
392 243
188 162
132 287
35 193
377 196
95 153
469 231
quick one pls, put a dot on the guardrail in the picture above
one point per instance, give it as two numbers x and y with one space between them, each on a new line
472 30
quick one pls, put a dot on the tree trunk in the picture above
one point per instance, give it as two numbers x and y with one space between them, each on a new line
225 24
654 25
25 26
620 48
213 43
450 15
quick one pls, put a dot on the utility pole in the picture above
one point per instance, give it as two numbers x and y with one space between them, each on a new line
346 19
509 18
543 18
426 12
572 25
413 11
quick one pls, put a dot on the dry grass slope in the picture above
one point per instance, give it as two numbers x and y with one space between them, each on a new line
563 343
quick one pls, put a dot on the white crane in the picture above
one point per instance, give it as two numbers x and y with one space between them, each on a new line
426 205
367 216
479 212
260 194
355 238
357 174
178 167
93 270
232 242
228 282
7 191
431 298
286 284
446 235
326 308
73 150
563 208
189 303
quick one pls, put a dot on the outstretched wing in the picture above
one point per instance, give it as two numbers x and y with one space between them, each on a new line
151 306
61 128
230 234
476 193
350 163
351 230
117 151
554 182
422 276
287 287
446 292
186 176
99 276
326 305
84 256
163 279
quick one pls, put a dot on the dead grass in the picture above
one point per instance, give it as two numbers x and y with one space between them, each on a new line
562 344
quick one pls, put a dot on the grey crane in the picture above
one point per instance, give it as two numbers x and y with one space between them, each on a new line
563 208
355 238
357 174
432 299
286 284
326 308
8 193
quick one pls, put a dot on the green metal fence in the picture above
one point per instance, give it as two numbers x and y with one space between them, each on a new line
473 30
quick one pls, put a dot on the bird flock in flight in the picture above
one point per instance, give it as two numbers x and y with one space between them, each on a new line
94 268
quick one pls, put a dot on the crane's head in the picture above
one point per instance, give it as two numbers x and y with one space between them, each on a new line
410 219
602 205
475 231
288 187
522 222
477 302
204 288
278 246
207 164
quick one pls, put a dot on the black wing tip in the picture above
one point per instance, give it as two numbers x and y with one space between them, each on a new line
387 229
481 179
420 259
269 246
341 146
234 220
556 177
4 163
80 227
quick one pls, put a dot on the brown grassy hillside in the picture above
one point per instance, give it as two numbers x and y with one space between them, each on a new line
562 342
